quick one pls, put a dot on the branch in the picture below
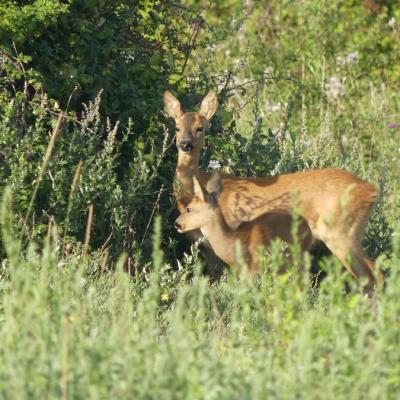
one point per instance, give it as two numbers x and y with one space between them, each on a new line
264 78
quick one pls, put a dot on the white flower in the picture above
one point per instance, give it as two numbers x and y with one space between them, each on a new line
334 88
352 58
214 164
392 22
273 107
340 60
238 63
269 70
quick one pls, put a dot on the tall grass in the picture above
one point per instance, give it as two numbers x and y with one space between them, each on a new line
66 334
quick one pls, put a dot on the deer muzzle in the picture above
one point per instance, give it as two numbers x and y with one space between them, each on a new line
178 226
186 146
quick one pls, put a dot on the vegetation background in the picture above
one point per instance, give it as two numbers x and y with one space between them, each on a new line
93 304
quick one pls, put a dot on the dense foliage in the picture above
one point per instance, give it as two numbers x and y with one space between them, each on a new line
301 84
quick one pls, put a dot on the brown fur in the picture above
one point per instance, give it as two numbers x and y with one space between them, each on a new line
334 203
249 237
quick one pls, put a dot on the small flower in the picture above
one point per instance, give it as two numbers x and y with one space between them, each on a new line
165 297
392 22
214 164
340 60
344 141
269 70
238 63
392 125
273 107
334 88
352 58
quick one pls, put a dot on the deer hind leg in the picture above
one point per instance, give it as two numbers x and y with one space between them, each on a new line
343 238
355 261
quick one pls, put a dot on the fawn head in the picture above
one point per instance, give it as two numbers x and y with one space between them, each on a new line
204 208
190 126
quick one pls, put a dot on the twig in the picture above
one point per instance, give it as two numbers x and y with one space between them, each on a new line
196 29
70 118
104 267
9 57
70 97
152 213
18 60
106 242
49 232
88 228
49 151
264 78
171 143
191 11
228 78
71 196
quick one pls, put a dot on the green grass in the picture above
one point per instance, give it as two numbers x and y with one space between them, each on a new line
68 334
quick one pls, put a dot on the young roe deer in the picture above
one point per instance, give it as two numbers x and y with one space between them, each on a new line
204 213
190 127
335 204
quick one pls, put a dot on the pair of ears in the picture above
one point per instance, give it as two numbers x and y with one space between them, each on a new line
174 109
211 192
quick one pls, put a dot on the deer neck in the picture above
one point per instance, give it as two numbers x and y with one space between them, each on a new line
186 169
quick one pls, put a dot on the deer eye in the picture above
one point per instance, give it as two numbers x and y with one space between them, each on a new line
188 210
199 130
177 129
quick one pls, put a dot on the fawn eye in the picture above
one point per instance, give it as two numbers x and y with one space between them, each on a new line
188 210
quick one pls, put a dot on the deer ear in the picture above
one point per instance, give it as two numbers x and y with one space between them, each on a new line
172 105
214 186
198 190
209 105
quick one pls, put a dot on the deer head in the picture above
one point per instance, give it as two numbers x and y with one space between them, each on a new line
204 209
190 126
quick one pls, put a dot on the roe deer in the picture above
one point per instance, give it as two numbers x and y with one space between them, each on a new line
190 127
335 204
203 212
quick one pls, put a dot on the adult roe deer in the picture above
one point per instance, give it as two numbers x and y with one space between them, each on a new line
335 203
204 213
190 128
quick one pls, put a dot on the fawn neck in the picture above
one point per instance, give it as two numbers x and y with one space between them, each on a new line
221 237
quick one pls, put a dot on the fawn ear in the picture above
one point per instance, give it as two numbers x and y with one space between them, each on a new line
214 187
172 105
209 105
198 190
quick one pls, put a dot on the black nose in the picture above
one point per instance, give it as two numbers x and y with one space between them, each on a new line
186 146
177 225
